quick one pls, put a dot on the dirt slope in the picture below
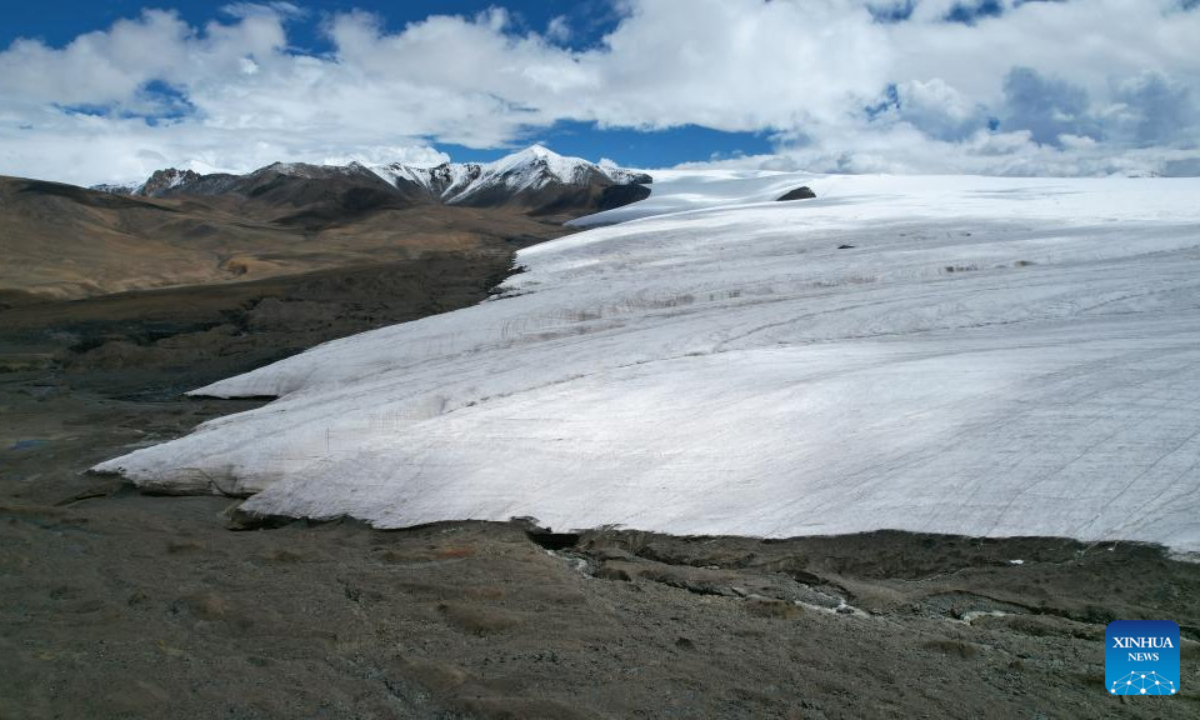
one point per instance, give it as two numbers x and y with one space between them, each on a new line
63 242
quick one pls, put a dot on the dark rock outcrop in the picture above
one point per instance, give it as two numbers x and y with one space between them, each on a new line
615 196
800 193
163 180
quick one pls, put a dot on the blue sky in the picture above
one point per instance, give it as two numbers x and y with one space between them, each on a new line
60 22
641 148
112 89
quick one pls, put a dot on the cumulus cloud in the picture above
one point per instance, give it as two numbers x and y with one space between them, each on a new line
1047 107
559 29
1155 108
994 86
937 109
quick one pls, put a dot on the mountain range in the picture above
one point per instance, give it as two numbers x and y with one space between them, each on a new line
535 181
179 227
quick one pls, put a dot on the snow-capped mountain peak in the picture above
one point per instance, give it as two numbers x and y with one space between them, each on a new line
162 181
309 171
539 158
126 188
532 179
536 167
532 169
442 181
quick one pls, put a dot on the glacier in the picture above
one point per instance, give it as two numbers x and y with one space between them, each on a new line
968 355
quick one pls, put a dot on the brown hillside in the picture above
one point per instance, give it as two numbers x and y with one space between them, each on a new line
61 241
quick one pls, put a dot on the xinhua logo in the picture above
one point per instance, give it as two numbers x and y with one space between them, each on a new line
1141 657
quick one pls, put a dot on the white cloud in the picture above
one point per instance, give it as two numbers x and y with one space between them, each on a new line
938 109
559 29
248 9
96 68
1085 86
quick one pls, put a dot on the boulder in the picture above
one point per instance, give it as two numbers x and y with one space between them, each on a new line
800 193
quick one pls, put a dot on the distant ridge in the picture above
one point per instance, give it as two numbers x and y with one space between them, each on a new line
536 181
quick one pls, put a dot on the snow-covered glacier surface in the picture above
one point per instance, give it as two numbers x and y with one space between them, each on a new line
965 355
676 191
